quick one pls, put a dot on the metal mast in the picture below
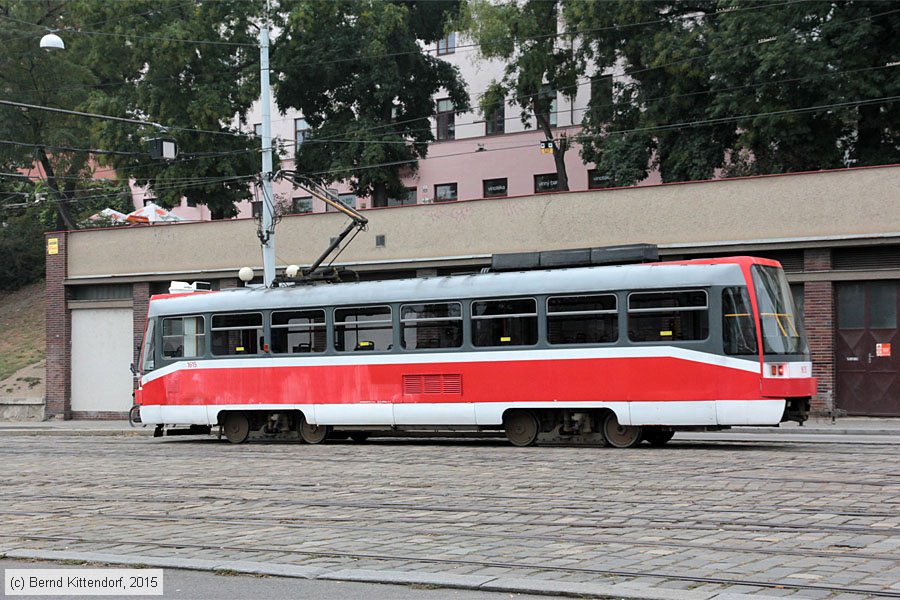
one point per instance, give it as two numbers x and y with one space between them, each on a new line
267 235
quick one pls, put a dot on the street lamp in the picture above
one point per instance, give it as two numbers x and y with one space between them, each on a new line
51 41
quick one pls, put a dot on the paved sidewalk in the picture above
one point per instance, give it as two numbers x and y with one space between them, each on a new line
840 426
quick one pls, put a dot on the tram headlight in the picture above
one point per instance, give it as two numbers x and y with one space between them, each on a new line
245 274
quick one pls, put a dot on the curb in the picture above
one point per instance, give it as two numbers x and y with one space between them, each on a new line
522 585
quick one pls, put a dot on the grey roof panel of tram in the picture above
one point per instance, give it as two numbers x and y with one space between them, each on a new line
455 287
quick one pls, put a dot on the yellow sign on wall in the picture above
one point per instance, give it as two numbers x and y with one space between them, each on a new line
52 245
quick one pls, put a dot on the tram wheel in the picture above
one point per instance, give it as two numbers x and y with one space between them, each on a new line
236 427
620 436
313 434
521 427
359 436
657 437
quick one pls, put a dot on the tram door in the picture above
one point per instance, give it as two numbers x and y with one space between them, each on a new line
867 348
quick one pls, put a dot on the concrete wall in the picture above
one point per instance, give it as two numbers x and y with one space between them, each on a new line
786 207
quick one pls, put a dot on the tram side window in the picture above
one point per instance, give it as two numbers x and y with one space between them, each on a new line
668 316
236 334
738 328
582 319
299 332
183 337
361 329
504 322
437 325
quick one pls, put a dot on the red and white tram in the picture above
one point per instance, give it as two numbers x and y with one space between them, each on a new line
615 354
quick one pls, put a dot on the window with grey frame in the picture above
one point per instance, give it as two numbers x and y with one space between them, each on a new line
183 337
585 319
495 120
431 325
446 120
511 322
236 334
738 325
446 192
298 331
363 328
681 315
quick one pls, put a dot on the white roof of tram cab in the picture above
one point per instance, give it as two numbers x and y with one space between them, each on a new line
457 287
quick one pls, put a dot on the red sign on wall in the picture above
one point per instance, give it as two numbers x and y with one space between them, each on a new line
882 349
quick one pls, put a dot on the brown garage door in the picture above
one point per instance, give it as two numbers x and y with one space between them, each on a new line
867 348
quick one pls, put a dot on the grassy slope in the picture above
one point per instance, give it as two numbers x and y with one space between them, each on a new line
22 336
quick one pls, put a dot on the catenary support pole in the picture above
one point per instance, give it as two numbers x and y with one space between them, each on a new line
268 204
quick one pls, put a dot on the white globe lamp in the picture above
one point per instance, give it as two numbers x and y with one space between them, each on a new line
245 274
51 41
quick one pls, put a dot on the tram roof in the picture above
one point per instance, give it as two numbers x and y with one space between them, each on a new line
481 285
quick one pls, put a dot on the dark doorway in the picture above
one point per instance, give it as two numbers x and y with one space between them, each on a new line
867 348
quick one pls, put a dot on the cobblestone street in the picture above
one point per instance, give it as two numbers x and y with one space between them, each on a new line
695 519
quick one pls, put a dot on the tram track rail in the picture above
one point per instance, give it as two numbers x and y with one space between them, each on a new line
885 593
583 506
307 522
611 520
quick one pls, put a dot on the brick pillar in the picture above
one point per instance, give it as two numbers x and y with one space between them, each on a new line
820 322
230 282
141 298
58 396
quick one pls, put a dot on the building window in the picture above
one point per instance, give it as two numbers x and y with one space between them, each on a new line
492 188
548 105
257 129
597 180
668 316
495 124
445 192
183 337
602 97
504 322
301 128
348 199
548 182
367 328
446 120
582 319
299 332
408 198
447 45
301 205
431 325
236 334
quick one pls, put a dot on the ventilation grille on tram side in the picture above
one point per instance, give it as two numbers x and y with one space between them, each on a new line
432 384
877 257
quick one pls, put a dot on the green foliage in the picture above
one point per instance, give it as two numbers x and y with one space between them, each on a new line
125 59
538 63
182 84
356 71
22 249
709 61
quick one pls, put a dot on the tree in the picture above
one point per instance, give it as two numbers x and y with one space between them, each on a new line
820 53
192 66
539 64
691 68
184 65
32 76
357 72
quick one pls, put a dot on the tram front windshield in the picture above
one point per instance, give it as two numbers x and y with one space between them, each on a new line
782 329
